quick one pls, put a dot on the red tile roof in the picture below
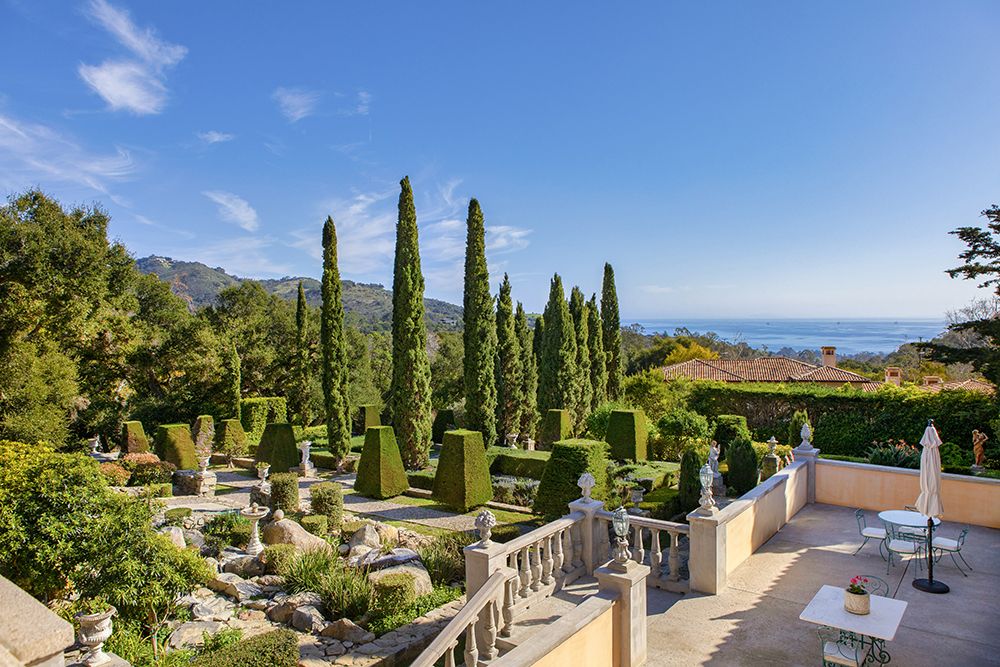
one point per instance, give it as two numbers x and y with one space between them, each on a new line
764 369
962 385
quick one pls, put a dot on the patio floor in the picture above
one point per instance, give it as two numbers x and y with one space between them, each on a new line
755 621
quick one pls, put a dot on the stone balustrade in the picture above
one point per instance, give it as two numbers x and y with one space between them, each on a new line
664 555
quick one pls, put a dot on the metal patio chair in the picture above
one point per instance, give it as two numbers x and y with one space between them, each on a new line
869 533
944 545
902 543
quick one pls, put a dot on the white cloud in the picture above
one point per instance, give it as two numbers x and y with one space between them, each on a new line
364 103
234 209
365 232
215 137
135 85
143 220
505 238
246 257
296 103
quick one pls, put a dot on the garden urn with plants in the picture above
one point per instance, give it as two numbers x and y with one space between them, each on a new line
95 629
263 468
856 597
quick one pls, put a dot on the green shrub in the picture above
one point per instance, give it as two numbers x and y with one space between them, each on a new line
134 438
514 490
275 556
328 500
799 418
952 456
895 454
164 490
743 470
762 448
597 421
230 439
257 413
115 474
517 462
653 394
689 482
422 479
278 648
556 425
278 447
229 529
317 524
852 459
463 478
224 638
676 431
367 416
146 469
323 460
444 557
627 435
176 516
285 492
727 428
174 444
441 595
444 420
380 472
569 460
305 570
393 592
346 592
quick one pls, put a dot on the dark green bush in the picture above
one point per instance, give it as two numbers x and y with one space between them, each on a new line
463 478
556 425
176 516
952 456
278 447
726 429
164 490
444 420
317 524
422 479
627 434
689 482
676 431
799 418
230 439
597 421
569 460
257 413
517 462
275 556
440 596
743 471
323 460
278 648
380 472
328 500
134 438
894 454
229 529
146 469
285 492
174 444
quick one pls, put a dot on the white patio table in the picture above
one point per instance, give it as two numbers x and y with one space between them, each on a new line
871 631
906 518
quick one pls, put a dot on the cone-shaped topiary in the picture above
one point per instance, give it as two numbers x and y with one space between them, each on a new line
285 492
231 373
612 334
277 447
444 420
298 394
479 332
742 460
463 475
173 443
569 460
134 438
689 483
257 413
230 438
556 426
380 471
627 434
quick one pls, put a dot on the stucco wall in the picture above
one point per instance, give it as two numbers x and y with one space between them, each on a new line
591 646
584 637
966 499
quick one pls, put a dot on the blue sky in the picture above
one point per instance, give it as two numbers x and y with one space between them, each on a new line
729 159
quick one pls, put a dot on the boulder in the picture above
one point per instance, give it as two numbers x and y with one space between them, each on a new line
270 580
214 608
356 553
415 569
283 611
346 630
367 535
194 538
235 586
176 535
343 549
188 635
387 533
286 531
375 560
308 619
245 566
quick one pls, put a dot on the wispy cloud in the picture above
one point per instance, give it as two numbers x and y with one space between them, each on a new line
143 220
247 257
235 209
506 238
215 137
365 225
135 84
296 103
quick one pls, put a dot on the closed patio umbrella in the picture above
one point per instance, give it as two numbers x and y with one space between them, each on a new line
929 501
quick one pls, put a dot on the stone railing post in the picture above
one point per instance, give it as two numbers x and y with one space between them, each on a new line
589 508
707 557
30 633
809 456
630 611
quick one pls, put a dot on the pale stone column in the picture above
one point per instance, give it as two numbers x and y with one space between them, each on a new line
480 563
589 507
707 557
809 456
630 612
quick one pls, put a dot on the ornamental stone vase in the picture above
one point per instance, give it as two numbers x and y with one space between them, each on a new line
262 472
857 603
95 629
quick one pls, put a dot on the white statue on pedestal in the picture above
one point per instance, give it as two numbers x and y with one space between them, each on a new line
304 447
713 456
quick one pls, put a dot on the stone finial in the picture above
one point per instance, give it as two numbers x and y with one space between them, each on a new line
586 484
806 434
771 444
485 522
278 515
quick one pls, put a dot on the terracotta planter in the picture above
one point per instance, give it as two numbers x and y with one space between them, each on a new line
95 629
857 603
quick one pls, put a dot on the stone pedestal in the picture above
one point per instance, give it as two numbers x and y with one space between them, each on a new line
309 470
630 612
809 455
718 486
261 494
589 507
769 466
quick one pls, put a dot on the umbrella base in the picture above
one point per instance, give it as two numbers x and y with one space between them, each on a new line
928 586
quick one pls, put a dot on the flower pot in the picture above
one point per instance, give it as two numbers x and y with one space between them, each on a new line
262 472
203 462
857 603
95 629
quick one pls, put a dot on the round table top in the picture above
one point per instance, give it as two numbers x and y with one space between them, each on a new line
906 518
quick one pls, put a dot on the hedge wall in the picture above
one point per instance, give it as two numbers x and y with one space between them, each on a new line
517 462
846 422
256 413
134 438
556 425
463 476
627 435
569 460
278 447
173 443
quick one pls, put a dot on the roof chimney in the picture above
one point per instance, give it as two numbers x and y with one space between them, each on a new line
829 355
894 375
931 380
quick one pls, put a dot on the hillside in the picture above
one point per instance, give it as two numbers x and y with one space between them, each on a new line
368 305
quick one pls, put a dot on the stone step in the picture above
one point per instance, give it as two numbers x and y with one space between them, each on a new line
544 612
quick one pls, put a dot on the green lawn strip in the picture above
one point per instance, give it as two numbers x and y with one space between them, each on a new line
223 489
503 516
656 498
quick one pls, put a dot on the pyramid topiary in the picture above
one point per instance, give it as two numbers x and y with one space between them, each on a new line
173 443
569 460
230 438
627 435
277 447
380 472
556 426
444 420
463 475
134 438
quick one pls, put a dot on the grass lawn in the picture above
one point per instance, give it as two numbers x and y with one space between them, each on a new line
223 489
503 516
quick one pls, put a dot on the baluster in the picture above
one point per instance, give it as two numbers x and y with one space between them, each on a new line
547 561
577 545
673 558
568 556
471 652
449 656
557 554
604 542
536 566
656 554
508 607
490 632
638 550
525 572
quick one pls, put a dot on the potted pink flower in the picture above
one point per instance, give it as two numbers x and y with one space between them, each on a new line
856 597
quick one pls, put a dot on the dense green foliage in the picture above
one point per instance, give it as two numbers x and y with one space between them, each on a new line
463 475
411 385
895 454
689 482
399 616
257 413
317 524
676 431
447 370
479 333
728 428
537 347
285 492
509 367
444 558
232 383
612 334
173 443
557 373
569 460
277 447
298 393
133 440
556 425
444 420
517 462
278 648
627 434
230 529
393 592
368 416
529 373
743 470
799 419
380 471
328 500
598 360
334 350
581 329
230 438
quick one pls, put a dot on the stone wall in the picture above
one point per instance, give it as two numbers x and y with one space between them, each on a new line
30 634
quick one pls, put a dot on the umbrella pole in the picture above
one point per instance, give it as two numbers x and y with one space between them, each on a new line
928 585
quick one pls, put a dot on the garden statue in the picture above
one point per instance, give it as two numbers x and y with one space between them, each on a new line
512 440
306 466
529 445
806 434
713 456
485 522
769 466
586 484
979 449
95 444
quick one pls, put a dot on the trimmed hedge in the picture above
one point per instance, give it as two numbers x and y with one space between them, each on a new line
627 432
328 500
285 492
556 425
278 648
317 524
230 439
444 420
277 447
726 429
380 472
173 443
743 471
368 416
323 460
134 438
463 476
392 593
569 460
257 413
422 479
517 462
847 422
689 482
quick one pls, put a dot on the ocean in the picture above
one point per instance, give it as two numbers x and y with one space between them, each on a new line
850 336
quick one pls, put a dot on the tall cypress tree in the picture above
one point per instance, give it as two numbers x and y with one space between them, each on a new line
537 341
334 349
300 369
557 374
480 333
233 381
510 374
598 360
410 393
584 393
612 334
529 373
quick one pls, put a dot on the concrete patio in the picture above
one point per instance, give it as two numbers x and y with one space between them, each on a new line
755 621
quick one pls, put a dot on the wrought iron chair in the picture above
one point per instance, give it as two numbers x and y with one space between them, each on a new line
869 533
917 534
839 648
902 543
942 545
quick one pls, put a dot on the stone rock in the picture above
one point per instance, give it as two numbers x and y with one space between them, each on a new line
308 619
252 615
261 494
214 608
366 535
374 560
213 564
387 533
270 580
335 648
176 535
286 531
357 552
283 611
194 538
235 586
188 635
245 566
415 569
260 605
347 631
343 549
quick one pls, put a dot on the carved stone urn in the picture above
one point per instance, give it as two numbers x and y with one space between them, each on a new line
203 462
857 603
262 472
95 629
